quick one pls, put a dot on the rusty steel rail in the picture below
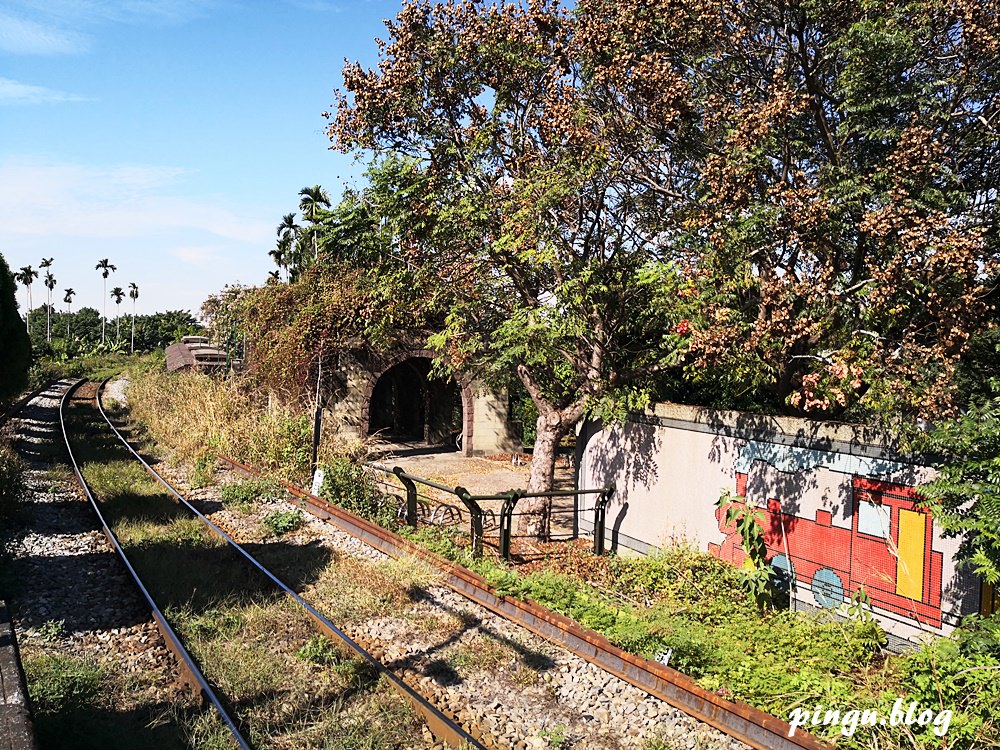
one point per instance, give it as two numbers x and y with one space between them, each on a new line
187 663
742 721
23 401
440 724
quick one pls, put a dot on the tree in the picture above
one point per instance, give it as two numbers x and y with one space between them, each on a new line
845 229
965 496
68 299
133 293
513 179
50 284
284 254
14 341
105 267
797 197
118 295
313 200
27 277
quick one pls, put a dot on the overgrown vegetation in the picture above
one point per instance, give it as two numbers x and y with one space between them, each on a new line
282 522
195 416
12 485
245 495
696 609
243 631
965 496
346 484
14 341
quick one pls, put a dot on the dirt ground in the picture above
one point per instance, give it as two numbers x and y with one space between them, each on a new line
480 476
486 476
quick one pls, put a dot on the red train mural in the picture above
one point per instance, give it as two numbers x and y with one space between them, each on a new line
886 549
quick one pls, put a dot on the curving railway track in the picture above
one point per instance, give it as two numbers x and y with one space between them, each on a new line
448 721
227 707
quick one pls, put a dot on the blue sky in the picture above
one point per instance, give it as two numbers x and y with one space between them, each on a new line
169 136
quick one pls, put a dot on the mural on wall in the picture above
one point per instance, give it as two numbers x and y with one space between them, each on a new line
835 522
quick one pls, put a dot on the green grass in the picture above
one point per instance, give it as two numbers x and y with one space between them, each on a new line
692 604
243 631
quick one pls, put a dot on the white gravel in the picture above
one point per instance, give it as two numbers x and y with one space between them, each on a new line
570 698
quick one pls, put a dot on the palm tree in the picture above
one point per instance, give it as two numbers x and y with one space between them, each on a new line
288 232
27 277
68 299
313 200
105 268
47 264
133 293
118 295
50 284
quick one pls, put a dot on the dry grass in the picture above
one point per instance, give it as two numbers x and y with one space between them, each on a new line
195 415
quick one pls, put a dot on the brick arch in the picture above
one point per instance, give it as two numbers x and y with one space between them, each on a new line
464 387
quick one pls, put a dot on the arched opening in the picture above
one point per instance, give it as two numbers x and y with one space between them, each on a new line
408 405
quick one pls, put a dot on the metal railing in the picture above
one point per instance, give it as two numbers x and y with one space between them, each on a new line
482 517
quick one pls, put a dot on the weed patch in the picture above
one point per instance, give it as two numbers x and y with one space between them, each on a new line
282 521
12 486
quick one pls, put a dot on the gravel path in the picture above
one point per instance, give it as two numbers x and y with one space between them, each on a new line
69 594
532 694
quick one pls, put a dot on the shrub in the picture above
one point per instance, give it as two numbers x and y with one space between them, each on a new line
12 486
245 495
319 650
283 521
346 484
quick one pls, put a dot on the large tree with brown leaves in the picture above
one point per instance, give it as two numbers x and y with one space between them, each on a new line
797 196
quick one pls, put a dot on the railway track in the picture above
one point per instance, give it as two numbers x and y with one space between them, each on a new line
97 666
440 723
736 720
487 714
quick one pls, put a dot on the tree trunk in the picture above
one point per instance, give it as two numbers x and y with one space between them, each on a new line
549 430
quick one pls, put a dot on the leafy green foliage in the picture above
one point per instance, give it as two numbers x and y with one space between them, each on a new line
249 493
965 496
283 521
14 342
758 575
319 650
203 471
12 485
59 683
78 333
346 484
958 673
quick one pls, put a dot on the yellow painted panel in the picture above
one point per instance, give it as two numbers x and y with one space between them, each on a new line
910 564
991 600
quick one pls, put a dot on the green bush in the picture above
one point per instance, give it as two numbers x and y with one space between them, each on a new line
246 495
283 521
346 484
12 486
319 650
14 341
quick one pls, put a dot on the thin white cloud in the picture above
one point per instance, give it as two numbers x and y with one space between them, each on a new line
73 200
120 11
21 36
15 92
317 6
197 255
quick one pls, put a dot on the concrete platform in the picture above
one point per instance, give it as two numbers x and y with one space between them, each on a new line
16 729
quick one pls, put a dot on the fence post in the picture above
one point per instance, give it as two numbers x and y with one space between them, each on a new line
507 521
600 518
476 514
411 496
